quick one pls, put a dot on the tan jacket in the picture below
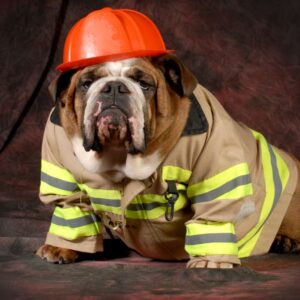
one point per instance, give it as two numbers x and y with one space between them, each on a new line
233 191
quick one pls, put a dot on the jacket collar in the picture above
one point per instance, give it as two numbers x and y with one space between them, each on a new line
196 122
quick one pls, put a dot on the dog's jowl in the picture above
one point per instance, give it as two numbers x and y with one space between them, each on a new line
135 144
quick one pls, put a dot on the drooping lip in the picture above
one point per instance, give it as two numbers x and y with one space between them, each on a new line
112 125
99 110
122 125
128 125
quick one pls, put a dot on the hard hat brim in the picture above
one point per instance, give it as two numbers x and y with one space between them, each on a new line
113 57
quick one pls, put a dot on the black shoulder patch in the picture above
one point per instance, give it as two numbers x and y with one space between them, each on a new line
54 118
196 122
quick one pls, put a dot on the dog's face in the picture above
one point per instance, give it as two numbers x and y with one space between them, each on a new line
117 97
124 109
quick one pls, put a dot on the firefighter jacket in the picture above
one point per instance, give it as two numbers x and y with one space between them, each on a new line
219 195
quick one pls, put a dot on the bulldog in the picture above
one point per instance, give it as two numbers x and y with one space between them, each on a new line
140 147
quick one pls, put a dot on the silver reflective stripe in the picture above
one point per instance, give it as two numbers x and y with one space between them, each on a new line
276 177
210 238
106 202
225 188
144 206
58 183
73 223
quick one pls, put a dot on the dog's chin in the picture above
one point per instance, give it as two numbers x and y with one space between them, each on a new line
112 128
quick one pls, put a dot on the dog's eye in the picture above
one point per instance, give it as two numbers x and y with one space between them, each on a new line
87 83
144 85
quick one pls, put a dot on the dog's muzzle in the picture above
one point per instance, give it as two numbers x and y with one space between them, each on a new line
111 121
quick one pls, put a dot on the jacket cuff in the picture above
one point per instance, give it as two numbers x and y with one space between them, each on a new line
232 259
89 244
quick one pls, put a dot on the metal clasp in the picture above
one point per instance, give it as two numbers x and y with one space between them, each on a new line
171 196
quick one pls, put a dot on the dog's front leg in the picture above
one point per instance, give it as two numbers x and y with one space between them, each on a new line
57 255
209 264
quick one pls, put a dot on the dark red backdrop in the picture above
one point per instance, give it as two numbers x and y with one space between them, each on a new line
246 52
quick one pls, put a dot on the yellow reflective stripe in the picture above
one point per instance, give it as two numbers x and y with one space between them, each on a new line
151 206
247 245
212 249
56 180
74 233
106 208
100 193
47 189
175 173
209 227
211 238
218 180
148 206
56 172
104 200
180 187
268 201
237 193
71 223
276 175
70 212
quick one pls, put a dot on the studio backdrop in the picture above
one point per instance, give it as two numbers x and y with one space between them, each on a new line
246 52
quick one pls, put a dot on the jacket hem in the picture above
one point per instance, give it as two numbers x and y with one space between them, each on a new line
90 244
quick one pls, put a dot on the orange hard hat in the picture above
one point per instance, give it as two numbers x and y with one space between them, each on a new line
111 34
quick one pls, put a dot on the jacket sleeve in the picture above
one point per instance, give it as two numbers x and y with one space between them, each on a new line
73 225
210 235
218 189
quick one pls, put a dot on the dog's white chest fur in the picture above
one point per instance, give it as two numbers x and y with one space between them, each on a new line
138 166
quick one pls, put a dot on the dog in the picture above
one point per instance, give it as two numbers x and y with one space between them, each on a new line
140 147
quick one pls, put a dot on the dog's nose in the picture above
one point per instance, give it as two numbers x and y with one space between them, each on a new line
114 88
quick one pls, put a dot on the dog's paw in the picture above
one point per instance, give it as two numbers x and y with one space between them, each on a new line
283 244
57 255
202 264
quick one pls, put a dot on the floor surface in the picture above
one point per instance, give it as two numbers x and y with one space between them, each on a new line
126 275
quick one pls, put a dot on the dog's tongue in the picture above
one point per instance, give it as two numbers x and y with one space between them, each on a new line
112 125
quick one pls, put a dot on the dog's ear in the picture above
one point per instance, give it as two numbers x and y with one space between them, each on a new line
60 84
177 75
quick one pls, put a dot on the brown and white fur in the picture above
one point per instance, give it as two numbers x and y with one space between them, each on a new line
124 140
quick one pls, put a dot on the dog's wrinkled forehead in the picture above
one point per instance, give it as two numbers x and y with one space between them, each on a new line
131 68
119 68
